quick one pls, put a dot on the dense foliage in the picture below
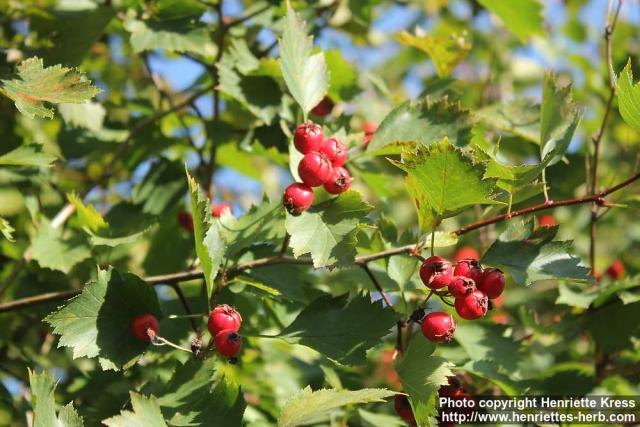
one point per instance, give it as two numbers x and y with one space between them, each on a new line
151 273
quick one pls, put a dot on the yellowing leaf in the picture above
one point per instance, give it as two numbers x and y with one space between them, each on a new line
88 215
446 51
54 85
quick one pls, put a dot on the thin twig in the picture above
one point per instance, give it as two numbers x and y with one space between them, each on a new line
376 284
187 307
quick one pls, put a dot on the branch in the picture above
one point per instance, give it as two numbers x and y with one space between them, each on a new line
362 260
376 284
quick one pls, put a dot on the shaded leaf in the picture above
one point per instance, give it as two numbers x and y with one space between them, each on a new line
38 85
97 323
342 329
328 230
308 407
523 18
146 412
486 342
304 73
172 35
519 117
88 216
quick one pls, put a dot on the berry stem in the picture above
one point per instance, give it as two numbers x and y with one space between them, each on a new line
160 341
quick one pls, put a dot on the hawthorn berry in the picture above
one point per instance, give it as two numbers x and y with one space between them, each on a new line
492 283
308 137
335 151
546 221
339 182
469 268
222 209
436 272
466 252
224 317
323 108
185 220
145 327
472 306
228 342
314 169
438 327
461 286
453 388
369 128
616 270
403 407
297 198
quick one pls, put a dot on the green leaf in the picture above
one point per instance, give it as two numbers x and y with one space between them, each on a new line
161 188
97 323
445 50
54 85
421 375
629 97
328 230
519 117
51 251
614 327
88 115
6 229
27 155
530 255
310 407
208 242
88 216
43 386
442 182
304 73
486 342
342 329
489 370
523 18
343 76
146 412
370 419
559 118
121 240
423 122
178 35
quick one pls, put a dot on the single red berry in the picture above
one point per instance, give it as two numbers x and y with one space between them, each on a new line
461 286
616 270
438 327
222 209
597 275
335 151
339 182
369 128
323 108
472 306
297 198
228 342
469 268
436 272
145 326
185 220
224 317
453 388
308 137
547 221
492 283
466 252
403 407
314 169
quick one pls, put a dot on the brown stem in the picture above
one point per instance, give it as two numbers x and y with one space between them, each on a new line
187 307
376 284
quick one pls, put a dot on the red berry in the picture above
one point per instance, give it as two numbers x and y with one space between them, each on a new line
452 388
469 268
339 182
224 317
297 198
438 327
466 252
145 326
228 342
461 286
616 270
403 407
472 306
323 108
314 169
436 272
185 220
335 151
546 221
308 137
369 129
222 209
492 283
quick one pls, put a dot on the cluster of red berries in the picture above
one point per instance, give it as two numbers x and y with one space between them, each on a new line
224 324
186 220
470 285
322 164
